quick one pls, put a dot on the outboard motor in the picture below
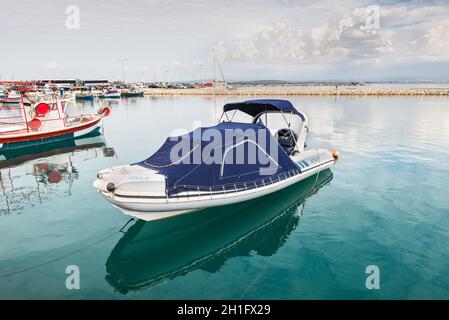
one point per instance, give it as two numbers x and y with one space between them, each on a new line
287 139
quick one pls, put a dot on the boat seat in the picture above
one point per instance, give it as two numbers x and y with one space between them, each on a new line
286 139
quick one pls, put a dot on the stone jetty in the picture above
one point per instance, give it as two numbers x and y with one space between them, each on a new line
303 91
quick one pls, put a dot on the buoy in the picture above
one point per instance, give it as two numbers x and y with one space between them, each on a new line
335 154
54 177
105 111
35 124
42 109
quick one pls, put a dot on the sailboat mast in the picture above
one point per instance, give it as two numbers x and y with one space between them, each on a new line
213 54
219 67
221 71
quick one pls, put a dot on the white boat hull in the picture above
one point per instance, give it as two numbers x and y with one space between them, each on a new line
133 199
110 96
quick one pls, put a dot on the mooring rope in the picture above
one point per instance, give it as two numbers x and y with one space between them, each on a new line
5 275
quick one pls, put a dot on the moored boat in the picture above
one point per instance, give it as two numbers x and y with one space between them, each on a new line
131 94
110 93
44 122
225 164
84 96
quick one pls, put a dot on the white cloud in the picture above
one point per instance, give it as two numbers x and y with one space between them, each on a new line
286 39
437 37
415 34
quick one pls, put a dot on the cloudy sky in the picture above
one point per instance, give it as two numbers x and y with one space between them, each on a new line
253 39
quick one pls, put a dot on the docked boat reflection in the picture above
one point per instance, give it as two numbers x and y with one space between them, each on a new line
14 157
150 252
35 175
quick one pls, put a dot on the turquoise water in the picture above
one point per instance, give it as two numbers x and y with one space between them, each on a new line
385 203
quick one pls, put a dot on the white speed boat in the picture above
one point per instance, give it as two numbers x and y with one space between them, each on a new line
231 162
110 93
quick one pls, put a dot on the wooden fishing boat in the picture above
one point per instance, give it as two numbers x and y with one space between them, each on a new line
44 122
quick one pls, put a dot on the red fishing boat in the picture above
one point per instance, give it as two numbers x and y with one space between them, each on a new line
46 121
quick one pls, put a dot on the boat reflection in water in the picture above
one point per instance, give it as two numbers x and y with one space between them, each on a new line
153 251
34 175
14 157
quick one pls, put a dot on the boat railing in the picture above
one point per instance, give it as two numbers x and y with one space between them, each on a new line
67 121
233 187
9 107
25 117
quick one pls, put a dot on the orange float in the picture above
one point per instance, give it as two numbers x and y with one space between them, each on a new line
35 124
42 109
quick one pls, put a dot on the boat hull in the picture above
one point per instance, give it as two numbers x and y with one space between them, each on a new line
132 94
150 253
86 97
11 142
13 157
110 96
159 207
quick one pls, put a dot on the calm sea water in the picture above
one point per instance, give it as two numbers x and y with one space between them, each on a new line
385 203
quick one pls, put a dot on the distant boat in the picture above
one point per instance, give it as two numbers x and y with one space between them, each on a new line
110 94
84 96
131 94
219 84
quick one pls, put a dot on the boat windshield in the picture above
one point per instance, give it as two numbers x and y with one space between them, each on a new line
236 116
273 120
276 121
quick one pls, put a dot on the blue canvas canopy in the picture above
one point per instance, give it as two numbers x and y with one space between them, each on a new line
227 156
255 107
